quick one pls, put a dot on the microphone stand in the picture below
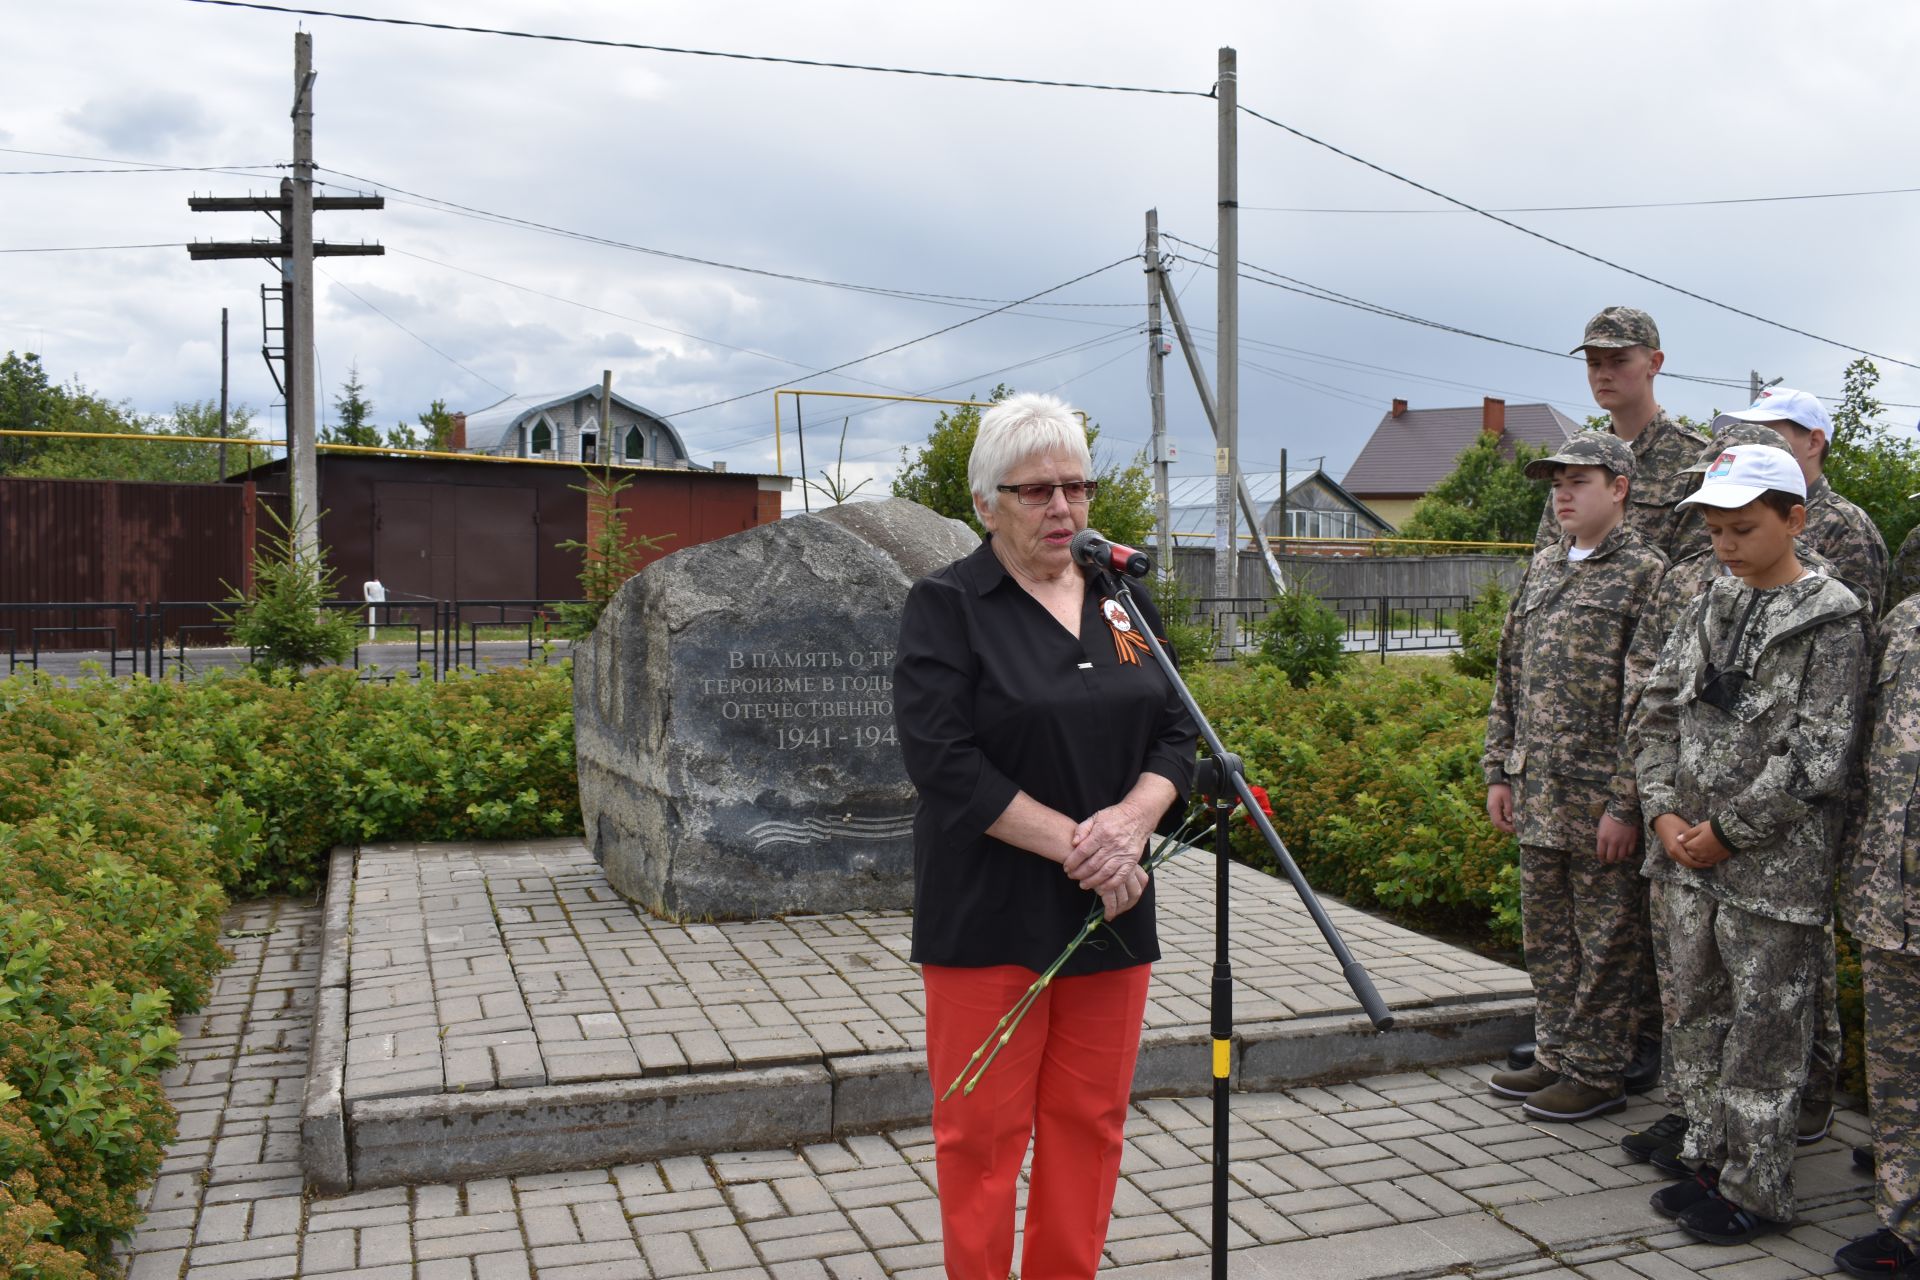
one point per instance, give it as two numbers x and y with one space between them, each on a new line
1221 781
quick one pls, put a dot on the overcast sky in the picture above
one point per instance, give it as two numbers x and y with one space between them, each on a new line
986 191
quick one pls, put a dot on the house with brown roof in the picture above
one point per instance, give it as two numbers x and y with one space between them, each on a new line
1412 450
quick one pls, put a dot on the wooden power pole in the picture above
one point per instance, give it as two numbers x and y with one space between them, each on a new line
1226 549
293 209
1157 396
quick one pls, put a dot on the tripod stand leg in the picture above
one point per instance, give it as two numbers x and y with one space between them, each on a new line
1222 1020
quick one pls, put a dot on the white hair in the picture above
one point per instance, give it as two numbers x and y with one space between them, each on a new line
1022 427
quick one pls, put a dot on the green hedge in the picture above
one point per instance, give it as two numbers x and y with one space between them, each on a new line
1374 776
127 810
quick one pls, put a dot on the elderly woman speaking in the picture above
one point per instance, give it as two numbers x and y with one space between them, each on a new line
1045 751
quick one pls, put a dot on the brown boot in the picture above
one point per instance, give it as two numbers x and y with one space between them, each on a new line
1522 1084
1572 1100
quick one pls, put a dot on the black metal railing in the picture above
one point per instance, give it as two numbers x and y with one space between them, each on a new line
177 638
1374 624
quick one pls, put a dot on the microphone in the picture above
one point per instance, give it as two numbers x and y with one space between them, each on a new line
1091 550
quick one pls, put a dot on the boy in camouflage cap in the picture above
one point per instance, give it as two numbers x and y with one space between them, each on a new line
1744 743
1880 904
1557 779
1622 348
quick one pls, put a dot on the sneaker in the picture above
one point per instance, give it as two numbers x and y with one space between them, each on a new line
1644 1071
1667 1160
1571 1100
1670 1130
1718 1220
1816 1120
1880 1254
1522 1084
1676 1198
1520 1057
1863 1158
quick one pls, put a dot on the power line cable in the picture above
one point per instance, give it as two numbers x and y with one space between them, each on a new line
411 334
96 248
138 166
1561 244
705 53
608 242
1594 208
901 346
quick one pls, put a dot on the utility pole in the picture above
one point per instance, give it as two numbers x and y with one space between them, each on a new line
223 394
1227 370
1755 386
1281 502
1157 396
304 482
604 445
296 249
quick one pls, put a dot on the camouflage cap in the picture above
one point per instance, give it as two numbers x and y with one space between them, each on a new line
1586 449
1620 327
1737 432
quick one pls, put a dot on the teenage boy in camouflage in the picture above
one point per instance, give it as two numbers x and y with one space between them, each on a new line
1881 905
1557 778
1622 348
1744 743
1680 587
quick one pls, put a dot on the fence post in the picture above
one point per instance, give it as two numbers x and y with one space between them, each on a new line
1384 621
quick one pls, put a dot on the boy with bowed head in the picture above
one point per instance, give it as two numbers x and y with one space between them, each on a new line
1745 739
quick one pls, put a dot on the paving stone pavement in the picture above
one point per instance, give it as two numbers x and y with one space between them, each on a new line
1408 1175
495 966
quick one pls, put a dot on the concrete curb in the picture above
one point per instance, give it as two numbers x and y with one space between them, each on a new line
323 1126
1278 1055
452 1137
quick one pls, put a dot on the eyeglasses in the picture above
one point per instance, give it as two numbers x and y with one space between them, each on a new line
1039 495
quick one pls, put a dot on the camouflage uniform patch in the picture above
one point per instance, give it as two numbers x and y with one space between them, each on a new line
1662 452
1881 907
1742 1001
1903 579
1554 734
1893 1087
1851 542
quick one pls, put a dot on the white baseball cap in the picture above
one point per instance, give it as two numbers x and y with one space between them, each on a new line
1745 471
1783 404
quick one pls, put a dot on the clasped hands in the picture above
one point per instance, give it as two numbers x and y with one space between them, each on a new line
1106 856
1691 844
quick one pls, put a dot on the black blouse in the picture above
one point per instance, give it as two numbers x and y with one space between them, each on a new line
992 696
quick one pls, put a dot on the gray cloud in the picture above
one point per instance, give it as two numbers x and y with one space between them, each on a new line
143 122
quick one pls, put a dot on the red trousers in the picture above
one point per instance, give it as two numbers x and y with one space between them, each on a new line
1063 1081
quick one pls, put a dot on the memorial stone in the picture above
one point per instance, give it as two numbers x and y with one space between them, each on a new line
733 718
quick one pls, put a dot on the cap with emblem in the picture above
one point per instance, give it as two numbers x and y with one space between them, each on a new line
1586 449
1745 471
1620 327
1782 404
1734 431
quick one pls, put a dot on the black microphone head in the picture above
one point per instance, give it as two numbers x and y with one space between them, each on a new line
1086 549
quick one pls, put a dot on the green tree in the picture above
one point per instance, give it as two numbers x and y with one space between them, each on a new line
609 556
436 424
27 403
1303 637
283 618
937 478
182 463
356 413
1870 464
1486 498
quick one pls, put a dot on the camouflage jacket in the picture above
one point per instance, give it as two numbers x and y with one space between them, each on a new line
1903 579
1772 771
1880 902
1846 535
1661 454
1553 731
1682 584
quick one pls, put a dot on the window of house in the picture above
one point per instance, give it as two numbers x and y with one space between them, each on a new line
542 440
636 447
589 447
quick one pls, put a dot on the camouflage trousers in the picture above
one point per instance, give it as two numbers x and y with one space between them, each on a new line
1823 1062
1585 924
1893 1085
1741 993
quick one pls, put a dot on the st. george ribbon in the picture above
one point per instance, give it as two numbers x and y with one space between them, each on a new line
1092 550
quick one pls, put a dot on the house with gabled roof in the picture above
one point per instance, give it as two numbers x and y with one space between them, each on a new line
1316 506
565 427
1413 450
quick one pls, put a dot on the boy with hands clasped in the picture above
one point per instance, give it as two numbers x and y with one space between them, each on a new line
1744 741
1556 778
